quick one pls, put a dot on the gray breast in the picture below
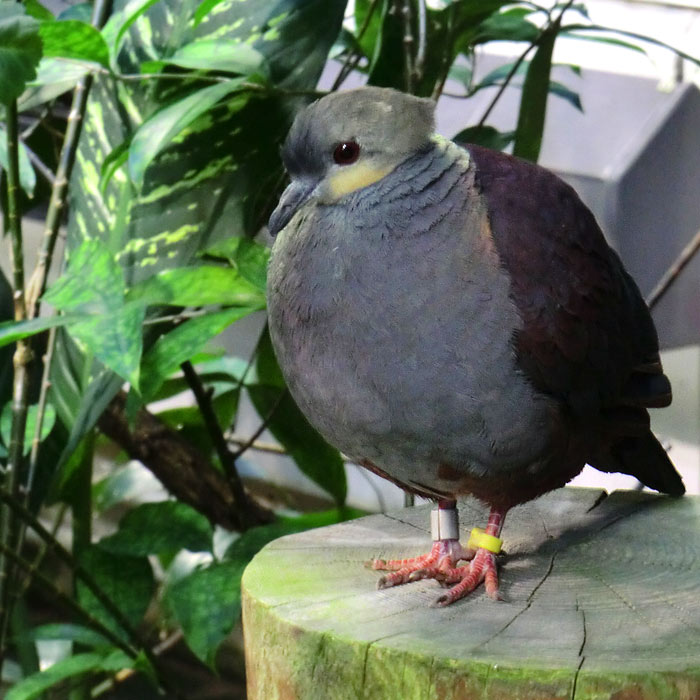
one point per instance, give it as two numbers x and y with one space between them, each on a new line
393 325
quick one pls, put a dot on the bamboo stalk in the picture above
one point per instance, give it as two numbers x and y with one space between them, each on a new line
22 356
57 203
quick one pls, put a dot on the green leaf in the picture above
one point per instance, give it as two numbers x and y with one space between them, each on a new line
249 257
373 25
223 55
46 425
462 74
203 9
115 338
533 103
198 286
27 176
485 136
127 581
498 75
113 162
160 528
12 331
77 665
561 90
267 370
132 12
93 282
70 632
221 373
37 10
386 67
221 175
54 77
508 26
157 132
74 39
206 604
128 482
20 49
189 338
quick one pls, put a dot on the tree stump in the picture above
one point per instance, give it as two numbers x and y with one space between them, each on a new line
602 601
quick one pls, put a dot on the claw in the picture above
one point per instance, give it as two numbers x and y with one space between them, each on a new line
441 564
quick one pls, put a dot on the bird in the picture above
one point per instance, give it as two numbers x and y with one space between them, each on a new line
452 318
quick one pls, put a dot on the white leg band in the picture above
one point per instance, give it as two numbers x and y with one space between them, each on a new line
444 524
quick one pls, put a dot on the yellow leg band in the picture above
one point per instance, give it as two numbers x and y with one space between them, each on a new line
478 539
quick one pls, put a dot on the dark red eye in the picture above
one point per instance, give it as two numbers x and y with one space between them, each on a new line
346 153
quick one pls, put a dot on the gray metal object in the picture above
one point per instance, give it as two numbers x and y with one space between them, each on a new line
444 524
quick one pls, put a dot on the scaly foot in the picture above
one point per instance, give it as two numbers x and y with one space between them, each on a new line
441 564
442 561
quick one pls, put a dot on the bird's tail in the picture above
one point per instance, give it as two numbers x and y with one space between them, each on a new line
643 457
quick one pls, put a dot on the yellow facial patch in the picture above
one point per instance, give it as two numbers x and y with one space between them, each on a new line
355 177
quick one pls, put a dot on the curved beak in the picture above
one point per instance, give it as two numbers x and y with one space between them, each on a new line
297 192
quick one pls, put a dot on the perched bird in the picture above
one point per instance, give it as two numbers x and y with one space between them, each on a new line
452 319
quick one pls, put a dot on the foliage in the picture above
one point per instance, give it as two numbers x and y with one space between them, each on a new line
171 153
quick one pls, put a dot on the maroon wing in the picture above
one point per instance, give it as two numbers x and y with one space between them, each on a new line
587 338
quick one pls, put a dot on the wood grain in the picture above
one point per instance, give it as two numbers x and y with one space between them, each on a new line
602 602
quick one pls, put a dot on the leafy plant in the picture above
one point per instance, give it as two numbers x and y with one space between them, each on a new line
165 158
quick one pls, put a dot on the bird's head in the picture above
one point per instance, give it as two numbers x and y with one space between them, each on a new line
349 140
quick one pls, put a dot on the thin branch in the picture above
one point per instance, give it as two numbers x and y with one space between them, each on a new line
226 457
37 283
669 277
39 164
447 53
176 318
258 445
514 69
408 42
35 124
67 558
273 448
263 425
43 551
422 34
354 58
91 621
506 81
22 357
178 465
41 408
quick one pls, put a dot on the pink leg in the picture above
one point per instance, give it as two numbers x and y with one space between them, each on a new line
441 564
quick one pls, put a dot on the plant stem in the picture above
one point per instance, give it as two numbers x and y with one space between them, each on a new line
408 42
353 59
59 191
22 356
69 602
422 33
176 463
244 447
668 278
506 81
81 521
67 558
226 457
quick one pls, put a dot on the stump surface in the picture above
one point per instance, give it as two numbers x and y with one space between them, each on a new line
602 601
